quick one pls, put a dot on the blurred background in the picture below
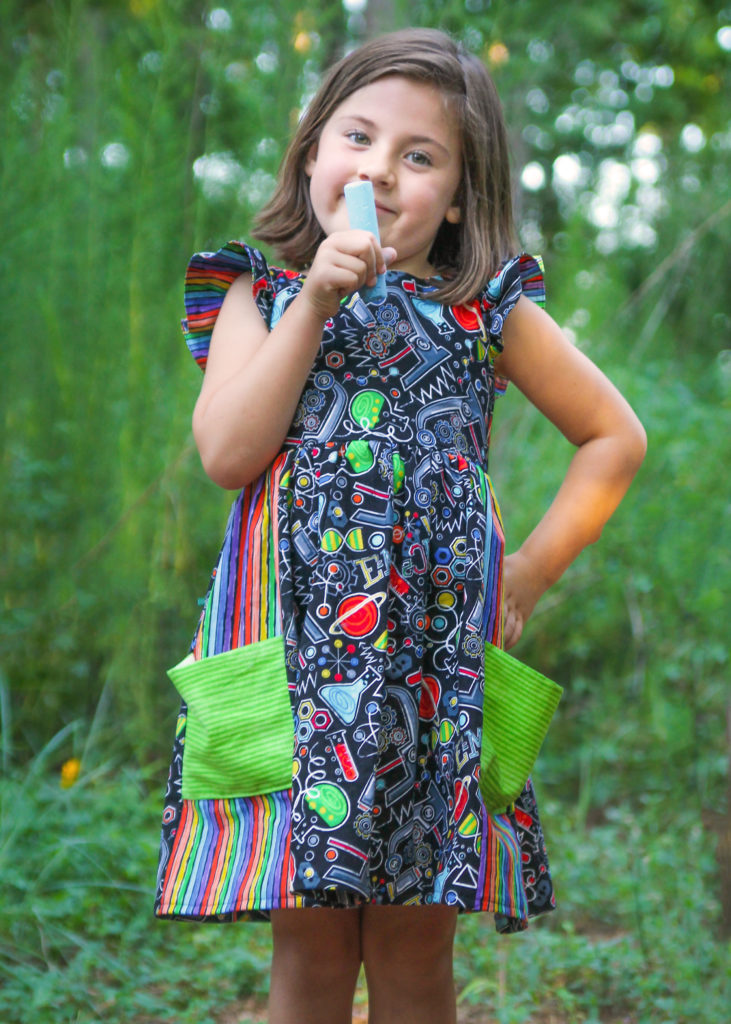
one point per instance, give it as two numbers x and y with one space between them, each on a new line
134 132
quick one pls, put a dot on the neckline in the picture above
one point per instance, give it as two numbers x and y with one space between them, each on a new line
396 276
431 283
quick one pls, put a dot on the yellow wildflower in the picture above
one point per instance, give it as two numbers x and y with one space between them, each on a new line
70 771
303 42
498 54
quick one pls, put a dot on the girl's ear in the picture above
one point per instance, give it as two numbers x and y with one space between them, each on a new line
454 212
311 160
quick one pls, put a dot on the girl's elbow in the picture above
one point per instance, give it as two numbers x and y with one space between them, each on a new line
636 443
219 461
220 470
631 446
228 477
629 438
231 468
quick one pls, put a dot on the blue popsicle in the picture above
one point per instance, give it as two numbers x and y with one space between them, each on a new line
361 206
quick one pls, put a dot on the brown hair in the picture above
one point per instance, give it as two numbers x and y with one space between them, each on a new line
466 254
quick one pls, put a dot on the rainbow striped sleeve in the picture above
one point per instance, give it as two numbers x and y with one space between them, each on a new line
207 279
522 275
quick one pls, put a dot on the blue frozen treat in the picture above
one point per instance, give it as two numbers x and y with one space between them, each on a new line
361 206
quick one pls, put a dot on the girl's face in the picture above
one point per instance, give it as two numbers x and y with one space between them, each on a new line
398 134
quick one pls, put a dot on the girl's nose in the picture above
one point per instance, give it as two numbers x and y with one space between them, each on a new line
376 168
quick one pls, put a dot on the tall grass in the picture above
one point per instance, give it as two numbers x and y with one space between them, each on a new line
109 527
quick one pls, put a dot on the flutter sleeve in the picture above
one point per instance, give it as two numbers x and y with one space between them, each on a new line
207 279
521 275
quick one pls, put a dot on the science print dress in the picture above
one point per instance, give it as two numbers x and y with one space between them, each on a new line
367 562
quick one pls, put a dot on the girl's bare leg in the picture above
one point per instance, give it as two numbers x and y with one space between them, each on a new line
315 966
407 955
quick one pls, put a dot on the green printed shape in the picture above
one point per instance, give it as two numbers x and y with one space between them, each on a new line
329 802
366 408
399 471
359 455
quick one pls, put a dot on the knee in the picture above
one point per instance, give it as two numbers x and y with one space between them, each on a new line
325 942
409 942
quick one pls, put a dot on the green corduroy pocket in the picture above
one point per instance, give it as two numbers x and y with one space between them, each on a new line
239 734
518 707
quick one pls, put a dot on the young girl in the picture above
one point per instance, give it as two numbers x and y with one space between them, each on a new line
362 570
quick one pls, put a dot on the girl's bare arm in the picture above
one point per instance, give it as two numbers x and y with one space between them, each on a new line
254 377
589 411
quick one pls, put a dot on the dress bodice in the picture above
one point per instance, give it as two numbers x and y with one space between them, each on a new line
409 372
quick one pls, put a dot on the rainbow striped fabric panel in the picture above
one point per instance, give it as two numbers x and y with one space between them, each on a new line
243 603
531 277
499 864
493 569
208 277
230 856
221 856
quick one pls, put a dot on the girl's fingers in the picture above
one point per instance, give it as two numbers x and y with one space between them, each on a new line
345 261
388 255
356 257
350 274
361 244
512 629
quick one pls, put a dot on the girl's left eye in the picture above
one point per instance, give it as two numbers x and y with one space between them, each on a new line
418 156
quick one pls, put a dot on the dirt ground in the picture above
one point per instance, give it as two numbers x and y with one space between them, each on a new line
251 1011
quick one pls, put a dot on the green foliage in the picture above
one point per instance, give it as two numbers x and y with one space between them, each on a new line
78 942
632 940
109 527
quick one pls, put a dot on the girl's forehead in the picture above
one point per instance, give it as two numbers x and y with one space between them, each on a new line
398 98
398 90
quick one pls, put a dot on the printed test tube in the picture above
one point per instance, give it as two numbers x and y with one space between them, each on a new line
340 747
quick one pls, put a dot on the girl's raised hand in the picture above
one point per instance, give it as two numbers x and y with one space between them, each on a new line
345 261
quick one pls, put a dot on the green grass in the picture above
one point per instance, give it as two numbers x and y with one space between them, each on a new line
78 942
634 938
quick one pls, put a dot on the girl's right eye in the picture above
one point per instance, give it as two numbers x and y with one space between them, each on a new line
356 135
